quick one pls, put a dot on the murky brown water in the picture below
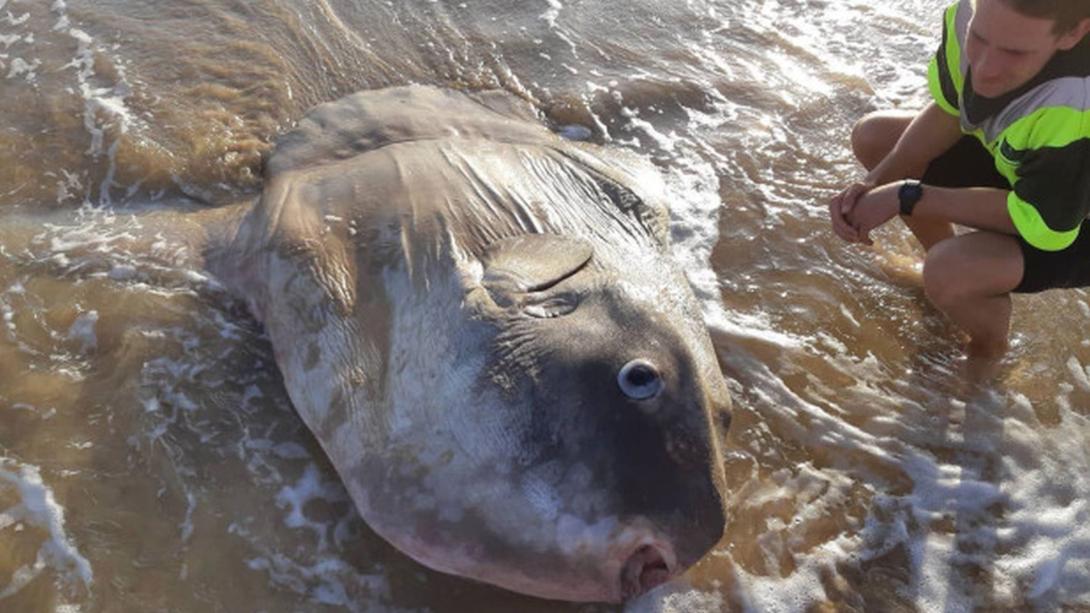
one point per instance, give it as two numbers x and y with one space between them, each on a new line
149 457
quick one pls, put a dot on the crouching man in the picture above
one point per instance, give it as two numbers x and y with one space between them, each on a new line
1003 149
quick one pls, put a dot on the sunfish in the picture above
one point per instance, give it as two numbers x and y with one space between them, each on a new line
483 327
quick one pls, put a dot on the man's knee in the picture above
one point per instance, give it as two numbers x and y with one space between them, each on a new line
944 275
875 135
869 143
970 266
965 280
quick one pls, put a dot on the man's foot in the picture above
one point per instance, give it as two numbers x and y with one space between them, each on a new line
984 360
904 269
982 371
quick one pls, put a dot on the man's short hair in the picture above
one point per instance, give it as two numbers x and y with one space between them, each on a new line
1066 14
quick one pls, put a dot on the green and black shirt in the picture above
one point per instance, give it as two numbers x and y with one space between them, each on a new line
1039 134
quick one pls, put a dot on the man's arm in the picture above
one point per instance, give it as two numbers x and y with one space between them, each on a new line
927 136
982 208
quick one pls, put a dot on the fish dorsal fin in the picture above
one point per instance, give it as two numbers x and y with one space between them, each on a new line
370 120
531 263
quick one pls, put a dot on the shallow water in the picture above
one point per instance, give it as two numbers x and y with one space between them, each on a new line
150 459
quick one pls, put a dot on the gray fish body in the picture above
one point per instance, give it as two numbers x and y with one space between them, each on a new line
481 324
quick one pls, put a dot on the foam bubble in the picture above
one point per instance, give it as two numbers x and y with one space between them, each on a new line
38 508
328 580
20 68
552 13
82 330
310 486
105 110
675 597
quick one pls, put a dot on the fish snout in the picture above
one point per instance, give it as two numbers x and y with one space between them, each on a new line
646 566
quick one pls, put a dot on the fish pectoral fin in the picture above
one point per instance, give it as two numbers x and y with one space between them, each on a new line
531 263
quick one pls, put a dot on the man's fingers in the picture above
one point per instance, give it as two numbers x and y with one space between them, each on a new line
839 199
846 233
851 196
845 200
840 225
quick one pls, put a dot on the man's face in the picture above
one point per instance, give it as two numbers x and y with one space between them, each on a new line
1006 48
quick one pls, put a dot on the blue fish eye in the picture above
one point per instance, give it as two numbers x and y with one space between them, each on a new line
640 380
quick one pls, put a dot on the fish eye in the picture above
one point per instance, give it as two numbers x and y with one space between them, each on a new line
640 380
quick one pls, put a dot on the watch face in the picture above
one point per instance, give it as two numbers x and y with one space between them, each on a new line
909 194
910 190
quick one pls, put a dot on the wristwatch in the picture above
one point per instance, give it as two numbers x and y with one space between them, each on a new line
909 194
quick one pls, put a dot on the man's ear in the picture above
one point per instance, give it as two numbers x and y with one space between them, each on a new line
1075 35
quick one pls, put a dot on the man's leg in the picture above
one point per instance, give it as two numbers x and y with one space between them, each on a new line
969 278
873 137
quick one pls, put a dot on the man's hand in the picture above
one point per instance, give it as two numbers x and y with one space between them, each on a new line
841 206
873 209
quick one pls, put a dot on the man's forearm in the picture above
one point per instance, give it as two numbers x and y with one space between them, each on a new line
983 208
928 136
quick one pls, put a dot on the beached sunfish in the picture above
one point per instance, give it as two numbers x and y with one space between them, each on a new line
482 326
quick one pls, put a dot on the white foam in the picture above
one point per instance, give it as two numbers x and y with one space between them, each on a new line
8 315
552 13
324 577
82 330
694 227
12 65
310 486
16 21
38 508
105 110
291 451
1047 534
18 67
186 527
675 597
328 580
1080 374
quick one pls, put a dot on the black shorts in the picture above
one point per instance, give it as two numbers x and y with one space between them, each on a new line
968 164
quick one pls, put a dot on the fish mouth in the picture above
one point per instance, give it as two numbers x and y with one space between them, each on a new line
649 566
